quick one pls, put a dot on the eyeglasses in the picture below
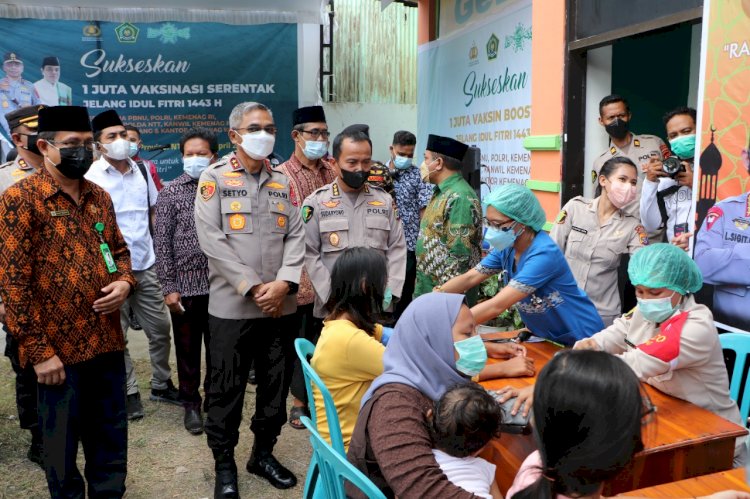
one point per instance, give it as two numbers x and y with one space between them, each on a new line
498 225
270 129
315 133
89 144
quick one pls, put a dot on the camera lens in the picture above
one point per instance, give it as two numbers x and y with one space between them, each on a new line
671 166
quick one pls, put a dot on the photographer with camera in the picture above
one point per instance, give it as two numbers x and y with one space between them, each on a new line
667 196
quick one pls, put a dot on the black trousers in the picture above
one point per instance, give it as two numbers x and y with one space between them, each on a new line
190 331
233 346
310 328
25 385
408 291
88 407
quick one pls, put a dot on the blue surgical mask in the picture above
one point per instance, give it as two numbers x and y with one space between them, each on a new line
683 146
133 149
194 165
401 162
472 355
656 309
315 149
501 239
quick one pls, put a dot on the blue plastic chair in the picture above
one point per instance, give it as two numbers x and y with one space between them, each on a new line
740 345
334 469
305 351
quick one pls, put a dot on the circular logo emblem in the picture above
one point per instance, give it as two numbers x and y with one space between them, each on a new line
235 206
281 221
334 239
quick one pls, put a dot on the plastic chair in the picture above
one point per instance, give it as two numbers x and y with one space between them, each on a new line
740 345
333 469
305 351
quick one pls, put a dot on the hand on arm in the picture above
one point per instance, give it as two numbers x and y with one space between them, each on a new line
586 344
524 399
515 367
462 283
504 350
115 294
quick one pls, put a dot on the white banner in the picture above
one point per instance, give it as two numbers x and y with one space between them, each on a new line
475 86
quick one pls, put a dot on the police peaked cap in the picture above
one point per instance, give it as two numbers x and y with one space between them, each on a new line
27 115
64 119
11 57
357 128
50 61
447 146
105 120
311 114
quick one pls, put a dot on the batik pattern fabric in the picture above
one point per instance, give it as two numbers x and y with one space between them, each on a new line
450 236
52 270
181 265
303 181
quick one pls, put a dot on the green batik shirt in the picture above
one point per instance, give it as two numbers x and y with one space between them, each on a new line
450 235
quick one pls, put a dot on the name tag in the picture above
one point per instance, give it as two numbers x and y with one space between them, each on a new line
59 213
578 229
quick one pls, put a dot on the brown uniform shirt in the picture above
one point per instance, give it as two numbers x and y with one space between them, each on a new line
593 251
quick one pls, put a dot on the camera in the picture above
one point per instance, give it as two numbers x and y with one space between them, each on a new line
672 166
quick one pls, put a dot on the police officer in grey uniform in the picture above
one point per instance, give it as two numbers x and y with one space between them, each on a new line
254 241
614 116
349 212
23 124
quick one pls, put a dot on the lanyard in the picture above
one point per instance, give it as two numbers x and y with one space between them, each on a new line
104 248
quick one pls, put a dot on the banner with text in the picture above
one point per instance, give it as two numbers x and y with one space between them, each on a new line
722 243
163 78
475 86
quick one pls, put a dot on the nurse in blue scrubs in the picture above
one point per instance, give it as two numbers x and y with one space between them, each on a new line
534 271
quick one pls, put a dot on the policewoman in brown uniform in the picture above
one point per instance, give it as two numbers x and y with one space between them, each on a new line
348 212
255 245
594 234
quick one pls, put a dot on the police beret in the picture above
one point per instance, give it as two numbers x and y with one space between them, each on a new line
447 146
50 61
311 114
105 120
26 115
64 119
358 128
11 57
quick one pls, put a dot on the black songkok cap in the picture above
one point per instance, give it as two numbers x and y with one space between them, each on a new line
27 115
447 146
312 114
357 128
105 120
64 119
50 61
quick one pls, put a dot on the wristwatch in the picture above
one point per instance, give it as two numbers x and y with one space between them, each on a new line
293 287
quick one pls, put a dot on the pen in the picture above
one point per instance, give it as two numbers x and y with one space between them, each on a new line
555 343
628 343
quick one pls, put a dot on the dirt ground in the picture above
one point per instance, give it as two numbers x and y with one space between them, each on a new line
164 460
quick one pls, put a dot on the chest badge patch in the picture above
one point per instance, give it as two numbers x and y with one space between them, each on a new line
331 203
235 206
274 185
237 221
231 174
207 189
741 223
334 239
375 203
281 221
234 183
280 206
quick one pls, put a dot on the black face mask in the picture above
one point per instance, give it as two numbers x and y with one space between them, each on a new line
618 129
31 144
75 162
355 180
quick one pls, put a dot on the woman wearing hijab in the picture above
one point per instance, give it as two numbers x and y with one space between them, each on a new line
433 348
538 280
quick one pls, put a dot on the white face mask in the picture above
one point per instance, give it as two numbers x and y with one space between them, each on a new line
258 145
194 165
118 150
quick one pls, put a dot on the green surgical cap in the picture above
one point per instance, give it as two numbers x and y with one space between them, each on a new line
665 266
518 203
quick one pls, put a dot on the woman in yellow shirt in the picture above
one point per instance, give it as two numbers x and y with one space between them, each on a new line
349 353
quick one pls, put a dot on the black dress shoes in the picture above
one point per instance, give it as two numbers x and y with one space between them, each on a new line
193 420
263 464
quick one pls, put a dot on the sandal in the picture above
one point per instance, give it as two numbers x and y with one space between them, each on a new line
294 417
